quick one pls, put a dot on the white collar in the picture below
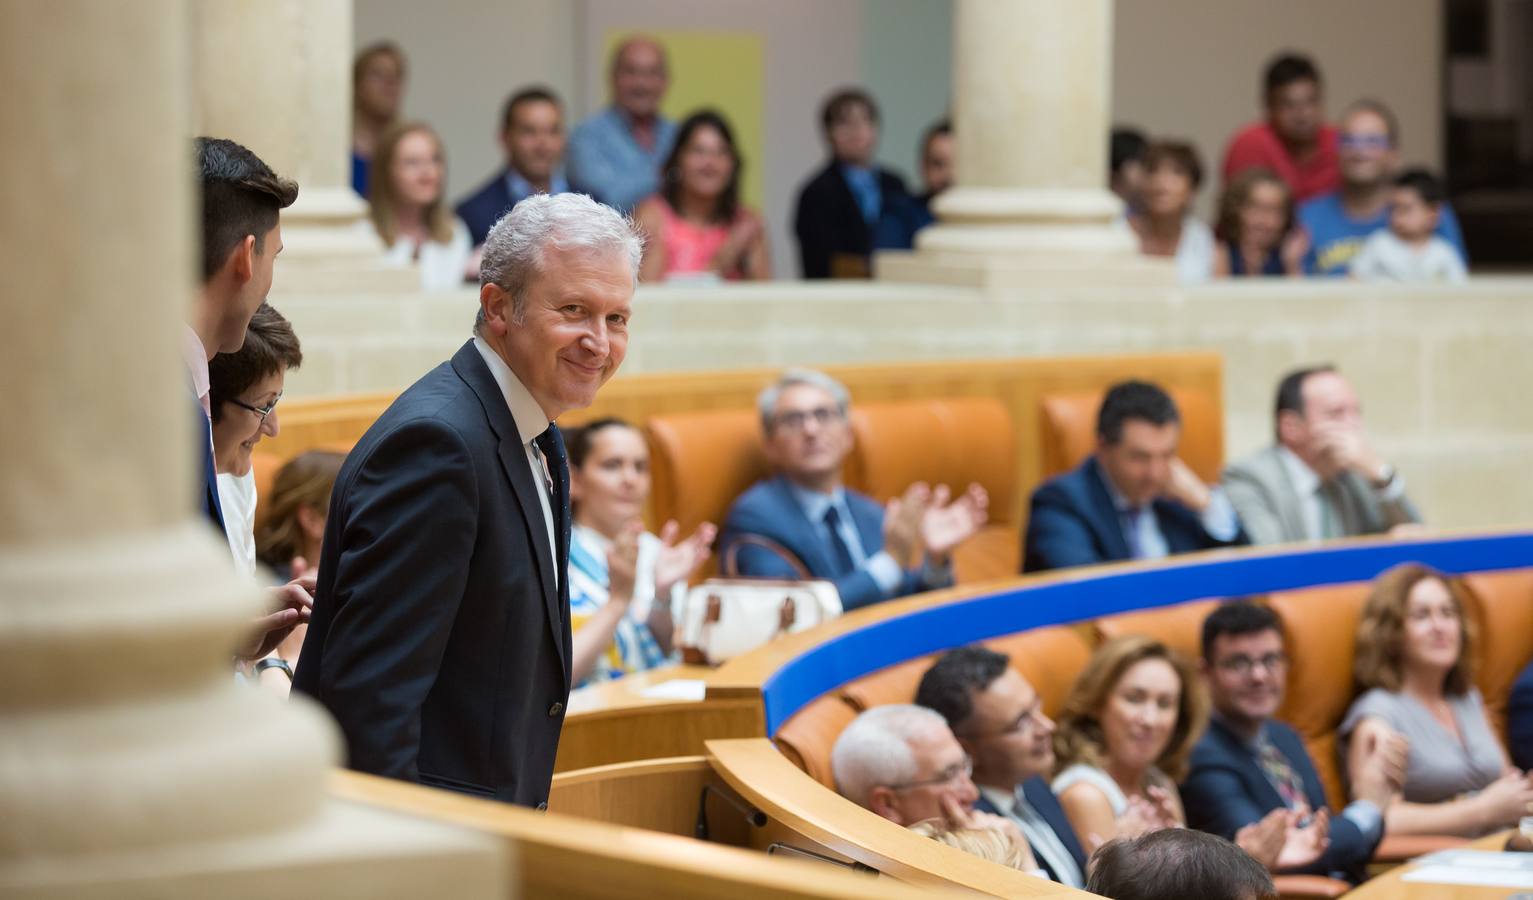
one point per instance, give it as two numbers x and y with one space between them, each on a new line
528 415
1305 481
1005 802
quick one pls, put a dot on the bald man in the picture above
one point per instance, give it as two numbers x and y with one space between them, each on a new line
615 156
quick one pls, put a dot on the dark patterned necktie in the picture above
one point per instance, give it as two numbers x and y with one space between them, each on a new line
1282 775
550 446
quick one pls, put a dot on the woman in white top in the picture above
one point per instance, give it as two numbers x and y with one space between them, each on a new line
1123 738
409 211
624 582
1165 224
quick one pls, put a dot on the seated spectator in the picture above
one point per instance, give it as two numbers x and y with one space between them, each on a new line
1294 141
1519 720
696 225
898 224
901 762
1248 767
998 719
1322 478
1338 222
410 214
985 843
1126 177
1164 223
1175 864
1409 250
624 582
839 208
532 136
1132 498
1256 233
1414 650
616 154
1123 739
289 538
870 552
377 92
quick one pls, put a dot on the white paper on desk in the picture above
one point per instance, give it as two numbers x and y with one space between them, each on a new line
1479 859
677 689
1487 873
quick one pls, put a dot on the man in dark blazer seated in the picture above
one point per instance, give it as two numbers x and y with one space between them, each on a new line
840 208
441 634
1248 765
532 135
869 552
1519 720
998 719
1131 499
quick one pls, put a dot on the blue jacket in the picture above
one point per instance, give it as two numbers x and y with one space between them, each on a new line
1073 522
1519 720
1227 790
484 207
770 510
211 506
1042 799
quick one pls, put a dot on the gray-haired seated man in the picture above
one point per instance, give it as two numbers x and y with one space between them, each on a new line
870 552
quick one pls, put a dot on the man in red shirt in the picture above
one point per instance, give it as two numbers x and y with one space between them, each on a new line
1295 142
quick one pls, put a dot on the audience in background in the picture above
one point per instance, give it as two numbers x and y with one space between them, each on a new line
624 582
1415 646
999 721
410 213
1125 151
1165 223
1322 478
696 226
1409 250
532 137
1338 222
870 552
1123 739
898 224
616 154
1132 498
1174 864
1255 228
1249 770
292 528
1519 720
1294 141
839 209
377 94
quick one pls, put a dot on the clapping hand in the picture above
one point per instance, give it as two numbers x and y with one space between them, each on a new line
678 560
1264 839
622 564
1306 838
902 523
945 525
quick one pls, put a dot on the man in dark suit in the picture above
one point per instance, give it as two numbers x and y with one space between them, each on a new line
1248 765
441 633
1519 720
840 208
870 553
1133 498
532 135
998 719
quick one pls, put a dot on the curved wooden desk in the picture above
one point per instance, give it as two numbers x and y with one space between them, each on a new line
1392 886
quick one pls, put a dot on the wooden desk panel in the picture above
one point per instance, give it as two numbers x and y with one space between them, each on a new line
1389 886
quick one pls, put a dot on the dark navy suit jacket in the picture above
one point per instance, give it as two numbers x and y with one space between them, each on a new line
829 223
1042 799
211 506
484 207
1227 790
770 510
1519 720
1074 523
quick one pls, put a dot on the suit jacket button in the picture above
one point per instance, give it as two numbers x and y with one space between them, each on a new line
554 710
543 807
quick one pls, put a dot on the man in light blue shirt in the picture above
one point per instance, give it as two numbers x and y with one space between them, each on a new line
616 155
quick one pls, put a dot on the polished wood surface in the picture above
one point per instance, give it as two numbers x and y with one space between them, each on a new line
657 794
560 858
1390 885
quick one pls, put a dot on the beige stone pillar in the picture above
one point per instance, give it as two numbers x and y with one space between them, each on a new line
1031 106
131 764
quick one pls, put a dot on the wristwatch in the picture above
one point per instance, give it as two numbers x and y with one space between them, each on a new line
274 662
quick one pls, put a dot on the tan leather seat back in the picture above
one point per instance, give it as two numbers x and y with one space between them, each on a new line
807 738
1179 627
1069 422
1505 618
895 684
264 467
954 441
700 462
1049 658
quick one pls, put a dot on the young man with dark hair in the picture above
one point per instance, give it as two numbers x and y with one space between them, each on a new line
1294 141
532 136
1126 174
1409 250
1248 764
898 224
1175 863
998 719
1133 498
838 210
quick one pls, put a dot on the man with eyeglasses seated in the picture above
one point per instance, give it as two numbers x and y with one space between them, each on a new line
870 552
901 762
998 720
1248 764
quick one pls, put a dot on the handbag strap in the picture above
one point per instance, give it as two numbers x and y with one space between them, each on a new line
729 566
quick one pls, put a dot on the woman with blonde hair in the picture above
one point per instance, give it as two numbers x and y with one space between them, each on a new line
986 843
1415 648
293 524
1123 738
409 209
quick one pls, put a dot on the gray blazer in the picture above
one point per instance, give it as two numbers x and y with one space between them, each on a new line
1268 502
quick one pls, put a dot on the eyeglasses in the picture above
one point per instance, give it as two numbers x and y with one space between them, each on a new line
263 412
1365 141
1242 665
795 420
946 776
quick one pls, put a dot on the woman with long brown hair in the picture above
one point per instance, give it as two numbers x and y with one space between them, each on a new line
410 212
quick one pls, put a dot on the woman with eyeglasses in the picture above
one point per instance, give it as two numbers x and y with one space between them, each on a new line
1123 738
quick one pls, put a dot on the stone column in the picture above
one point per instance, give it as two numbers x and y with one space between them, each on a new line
1031 106
131 764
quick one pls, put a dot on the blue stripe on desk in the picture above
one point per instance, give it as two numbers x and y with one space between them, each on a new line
924 631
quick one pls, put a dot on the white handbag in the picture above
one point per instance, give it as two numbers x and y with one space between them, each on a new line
725 617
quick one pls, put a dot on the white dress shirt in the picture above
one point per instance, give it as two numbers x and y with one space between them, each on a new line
237 496
531 421
1307 485
1143 530
885 570
1047 847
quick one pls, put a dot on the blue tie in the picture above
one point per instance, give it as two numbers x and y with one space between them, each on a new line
1131 533
841 555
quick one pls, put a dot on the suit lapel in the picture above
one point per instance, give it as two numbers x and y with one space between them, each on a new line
1041 798
812 551
1108 525
1290 509
1262 789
